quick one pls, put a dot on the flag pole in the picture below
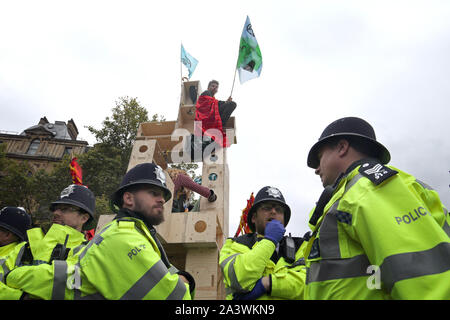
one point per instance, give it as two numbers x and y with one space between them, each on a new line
181 67
235 69
232 87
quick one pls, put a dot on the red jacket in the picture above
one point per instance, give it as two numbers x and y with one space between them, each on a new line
207 111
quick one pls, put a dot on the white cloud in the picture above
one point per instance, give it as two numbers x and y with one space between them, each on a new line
384 61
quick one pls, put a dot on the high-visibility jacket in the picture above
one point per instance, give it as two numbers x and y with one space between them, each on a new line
122 261
383 235
58 236
10 257
246 259
36 279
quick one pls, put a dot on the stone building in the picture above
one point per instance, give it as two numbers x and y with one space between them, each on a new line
44 144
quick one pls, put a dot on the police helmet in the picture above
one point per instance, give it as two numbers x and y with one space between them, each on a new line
16 220
268 193
349 127
145 174
79 196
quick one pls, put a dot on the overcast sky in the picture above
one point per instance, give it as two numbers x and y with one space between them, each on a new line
384 61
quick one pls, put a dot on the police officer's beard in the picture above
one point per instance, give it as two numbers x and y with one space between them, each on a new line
153 215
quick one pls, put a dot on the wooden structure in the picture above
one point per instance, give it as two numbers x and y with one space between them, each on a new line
192 240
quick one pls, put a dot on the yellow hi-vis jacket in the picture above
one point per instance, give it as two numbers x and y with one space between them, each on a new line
42 246
10 256
383 235
37 279
246 259
122 261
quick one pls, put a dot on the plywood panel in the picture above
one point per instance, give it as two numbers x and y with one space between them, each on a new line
201 263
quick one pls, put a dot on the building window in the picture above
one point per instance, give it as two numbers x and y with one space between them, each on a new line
67 150
33 147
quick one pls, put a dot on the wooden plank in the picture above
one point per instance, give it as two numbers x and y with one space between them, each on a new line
151 129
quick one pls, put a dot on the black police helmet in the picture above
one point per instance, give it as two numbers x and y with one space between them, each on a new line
15 220
79 196
349 127
268 194
144 173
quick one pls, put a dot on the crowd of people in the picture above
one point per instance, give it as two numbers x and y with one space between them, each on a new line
376 233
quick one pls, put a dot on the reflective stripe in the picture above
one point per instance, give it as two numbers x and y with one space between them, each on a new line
96 240
19 256
329 238
415 264
338 269
146 283
352 182
75 250
179 291
224 262
59 280
77 277
234 283
5 269
446 228
173 269
424 185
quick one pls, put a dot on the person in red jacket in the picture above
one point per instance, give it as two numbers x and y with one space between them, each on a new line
213 114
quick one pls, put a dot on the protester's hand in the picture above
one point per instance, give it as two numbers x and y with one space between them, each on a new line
229 99
274 231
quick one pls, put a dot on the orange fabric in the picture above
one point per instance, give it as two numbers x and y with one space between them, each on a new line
243 224
76 172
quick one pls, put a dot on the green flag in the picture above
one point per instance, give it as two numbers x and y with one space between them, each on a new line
249 62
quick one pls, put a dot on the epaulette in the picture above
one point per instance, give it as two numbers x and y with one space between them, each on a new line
376 172
248 239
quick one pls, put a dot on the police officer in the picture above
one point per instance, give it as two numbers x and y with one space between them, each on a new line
378 232
72 211
264 264
14 223
125 260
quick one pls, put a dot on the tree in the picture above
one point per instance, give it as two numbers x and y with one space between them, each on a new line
103 166
16 182
120 130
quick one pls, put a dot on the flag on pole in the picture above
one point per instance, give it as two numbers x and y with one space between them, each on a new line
77 178
189 61
76 172
249 62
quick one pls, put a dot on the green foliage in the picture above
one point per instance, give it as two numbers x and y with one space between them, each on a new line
16 184
188 167
119 130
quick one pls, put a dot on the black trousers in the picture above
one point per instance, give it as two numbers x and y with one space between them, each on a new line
225 110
